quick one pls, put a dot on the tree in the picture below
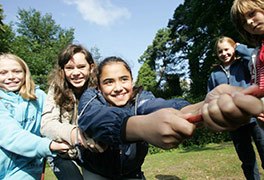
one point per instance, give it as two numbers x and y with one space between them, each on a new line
96 54
194 27
6 34
159 58
1 18
186 47
38 41
147 78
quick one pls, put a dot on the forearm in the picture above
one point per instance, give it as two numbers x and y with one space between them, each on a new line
53 128
56 123
145 127
165 128
135 128
16 140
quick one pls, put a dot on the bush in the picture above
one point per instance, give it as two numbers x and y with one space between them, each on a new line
200 138
155 150
204 136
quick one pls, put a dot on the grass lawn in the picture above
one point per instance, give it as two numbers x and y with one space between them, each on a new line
215 161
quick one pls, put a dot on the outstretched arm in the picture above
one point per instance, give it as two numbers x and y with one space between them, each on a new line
165 128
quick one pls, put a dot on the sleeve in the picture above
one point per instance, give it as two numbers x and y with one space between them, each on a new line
100 121
210 83
17 140
51 124
244 52
155 104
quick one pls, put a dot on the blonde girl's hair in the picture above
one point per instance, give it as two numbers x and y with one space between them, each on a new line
222 39
27 90
237 13
218 40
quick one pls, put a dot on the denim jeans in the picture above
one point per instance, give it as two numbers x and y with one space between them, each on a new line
64 169
242 139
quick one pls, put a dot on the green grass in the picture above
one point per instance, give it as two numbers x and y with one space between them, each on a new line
215 161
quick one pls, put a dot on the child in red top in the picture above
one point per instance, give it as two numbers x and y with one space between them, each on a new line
248 17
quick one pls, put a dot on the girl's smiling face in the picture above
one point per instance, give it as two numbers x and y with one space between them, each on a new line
12 75
225 52
77 70
116 84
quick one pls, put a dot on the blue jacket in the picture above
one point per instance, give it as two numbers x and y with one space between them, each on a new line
21 148
107 125
238 75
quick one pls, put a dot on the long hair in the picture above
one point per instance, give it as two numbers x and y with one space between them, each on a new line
63 91
238 11
27 90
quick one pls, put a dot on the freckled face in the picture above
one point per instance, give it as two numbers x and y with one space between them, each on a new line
77 70
225 52
116 84
12 76
254 22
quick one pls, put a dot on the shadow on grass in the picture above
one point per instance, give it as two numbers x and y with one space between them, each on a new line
214 147
166 177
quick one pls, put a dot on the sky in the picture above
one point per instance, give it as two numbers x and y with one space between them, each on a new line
123 28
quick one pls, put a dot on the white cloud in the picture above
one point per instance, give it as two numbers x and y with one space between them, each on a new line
100 12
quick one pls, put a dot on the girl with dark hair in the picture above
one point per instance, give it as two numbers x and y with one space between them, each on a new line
126 119
72 75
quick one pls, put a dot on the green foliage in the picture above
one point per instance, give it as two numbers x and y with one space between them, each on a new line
204 136
164 73
154 150
200 138
147 77
96 54
189 38
172 86
38 41
6 34
1 18
195 37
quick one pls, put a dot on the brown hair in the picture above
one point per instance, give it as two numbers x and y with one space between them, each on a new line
64 94
238 11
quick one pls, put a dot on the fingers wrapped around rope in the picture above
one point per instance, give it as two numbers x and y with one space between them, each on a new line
224 114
